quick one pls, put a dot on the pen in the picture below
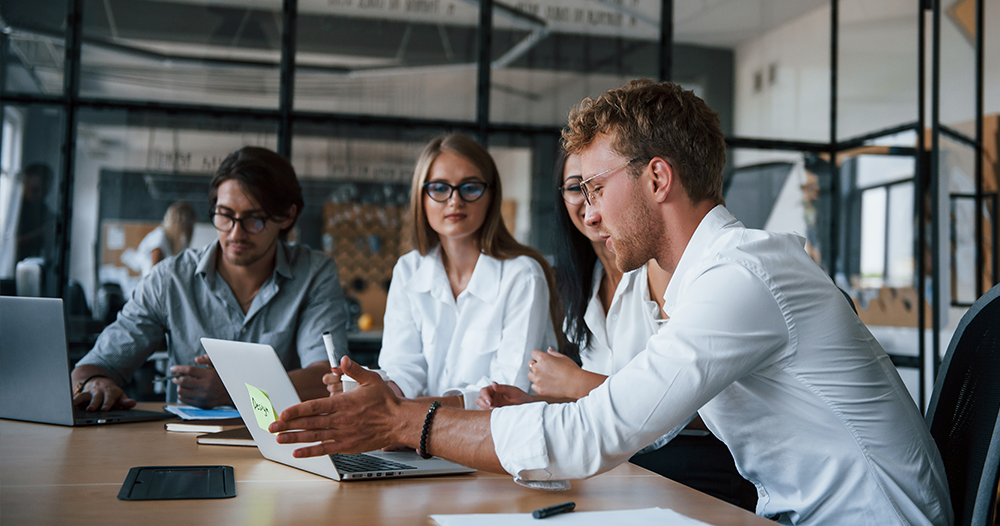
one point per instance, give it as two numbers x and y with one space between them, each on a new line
330 350
542 513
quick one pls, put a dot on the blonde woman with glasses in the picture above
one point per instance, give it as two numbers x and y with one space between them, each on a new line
470 303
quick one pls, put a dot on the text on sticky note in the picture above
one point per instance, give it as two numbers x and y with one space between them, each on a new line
262 408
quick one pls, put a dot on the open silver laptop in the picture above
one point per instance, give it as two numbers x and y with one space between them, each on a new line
35 383
253 376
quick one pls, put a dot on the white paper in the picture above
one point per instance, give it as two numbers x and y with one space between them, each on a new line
115 239
649 516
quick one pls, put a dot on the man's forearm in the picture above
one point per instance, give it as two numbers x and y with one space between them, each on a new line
455 434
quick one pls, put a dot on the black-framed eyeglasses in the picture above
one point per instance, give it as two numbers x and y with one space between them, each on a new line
591 194
251 224
571 191
468 192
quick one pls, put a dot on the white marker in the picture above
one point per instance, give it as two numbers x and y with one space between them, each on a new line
330 350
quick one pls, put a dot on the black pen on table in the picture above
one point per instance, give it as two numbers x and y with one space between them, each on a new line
565 507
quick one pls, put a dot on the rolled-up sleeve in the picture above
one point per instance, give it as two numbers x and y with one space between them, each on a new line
138 330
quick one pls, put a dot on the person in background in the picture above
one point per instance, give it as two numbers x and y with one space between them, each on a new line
760 343
468 305
610 315
36 224
172 236
249 285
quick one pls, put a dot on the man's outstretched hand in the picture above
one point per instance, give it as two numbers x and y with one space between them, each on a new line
366 418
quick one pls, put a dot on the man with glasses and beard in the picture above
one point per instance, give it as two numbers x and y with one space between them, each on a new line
251 285
760 343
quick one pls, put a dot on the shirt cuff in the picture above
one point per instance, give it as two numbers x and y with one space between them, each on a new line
519 443
468 394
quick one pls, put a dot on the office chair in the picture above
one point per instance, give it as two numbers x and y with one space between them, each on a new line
963 412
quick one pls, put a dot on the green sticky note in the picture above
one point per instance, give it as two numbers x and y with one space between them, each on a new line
262 408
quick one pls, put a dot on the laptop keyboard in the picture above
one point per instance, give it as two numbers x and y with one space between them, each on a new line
361 463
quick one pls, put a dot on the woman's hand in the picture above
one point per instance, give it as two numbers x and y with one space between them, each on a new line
554 374
333 382
498 395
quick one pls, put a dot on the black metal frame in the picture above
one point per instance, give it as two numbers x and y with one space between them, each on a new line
285 117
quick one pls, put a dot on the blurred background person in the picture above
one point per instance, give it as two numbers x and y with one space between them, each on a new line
172 236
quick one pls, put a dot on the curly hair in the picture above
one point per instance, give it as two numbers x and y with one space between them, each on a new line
645 119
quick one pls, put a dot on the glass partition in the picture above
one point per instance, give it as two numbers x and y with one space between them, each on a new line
958 63
32 47
225 54
30 184
782 62
382 57
878 61
550 54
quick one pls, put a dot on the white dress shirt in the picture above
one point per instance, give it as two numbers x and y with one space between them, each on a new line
435 344
783 372
631 320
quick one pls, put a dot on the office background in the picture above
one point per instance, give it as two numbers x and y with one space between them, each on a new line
132 104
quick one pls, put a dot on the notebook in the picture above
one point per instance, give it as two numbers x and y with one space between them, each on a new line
231 437
35 384
253 374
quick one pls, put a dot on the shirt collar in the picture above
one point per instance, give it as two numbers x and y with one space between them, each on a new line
707 231
430 276
485 281
429 270
206 263
281 266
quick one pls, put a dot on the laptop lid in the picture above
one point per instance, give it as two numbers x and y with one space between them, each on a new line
34 366
35 384
254 376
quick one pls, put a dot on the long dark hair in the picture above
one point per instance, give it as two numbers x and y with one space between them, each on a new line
574 262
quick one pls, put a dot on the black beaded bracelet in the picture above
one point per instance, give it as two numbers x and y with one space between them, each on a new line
427 427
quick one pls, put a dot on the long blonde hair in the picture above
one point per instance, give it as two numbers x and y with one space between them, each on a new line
178 225
493 238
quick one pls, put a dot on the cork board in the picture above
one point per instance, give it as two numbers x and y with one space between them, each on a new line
117 236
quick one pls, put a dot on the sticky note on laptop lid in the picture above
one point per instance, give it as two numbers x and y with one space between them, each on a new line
262 408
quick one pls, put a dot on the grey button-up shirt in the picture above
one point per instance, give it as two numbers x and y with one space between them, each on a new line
183 299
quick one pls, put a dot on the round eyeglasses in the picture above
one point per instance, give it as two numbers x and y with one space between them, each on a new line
590 191
468 192
571 191
250 224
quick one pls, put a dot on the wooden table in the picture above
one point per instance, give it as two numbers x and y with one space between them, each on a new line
60 475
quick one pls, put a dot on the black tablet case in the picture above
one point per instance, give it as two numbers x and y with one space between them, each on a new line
179 482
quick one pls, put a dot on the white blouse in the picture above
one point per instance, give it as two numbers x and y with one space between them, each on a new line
434 344
631 320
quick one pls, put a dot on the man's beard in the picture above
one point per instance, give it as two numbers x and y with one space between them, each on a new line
638 244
